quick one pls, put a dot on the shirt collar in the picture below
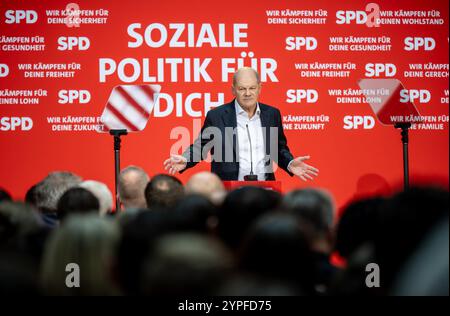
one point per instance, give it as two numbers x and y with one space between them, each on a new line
240 110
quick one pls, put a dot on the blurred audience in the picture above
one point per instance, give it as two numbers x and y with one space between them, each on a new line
30 196
102 193
276 248
207 184
131 187
4 195
405 221
22 240
138 236
195 213
198 240
77 201
163 190
315 212
89 242
186 264
358 225
241 208
49 191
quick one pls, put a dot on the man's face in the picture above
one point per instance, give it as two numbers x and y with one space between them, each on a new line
246 90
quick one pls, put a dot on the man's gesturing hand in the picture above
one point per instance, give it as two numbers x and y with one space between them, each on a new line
175 163
303 170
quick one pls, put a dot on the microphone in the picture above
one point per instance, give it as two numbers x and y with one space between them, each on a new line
251 176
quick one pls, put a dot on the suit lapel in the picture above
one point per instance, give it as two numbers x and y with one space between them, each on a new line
230 121
265 124
229 117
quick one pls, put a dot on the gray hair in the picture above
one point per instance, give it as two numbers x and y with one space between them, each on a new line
50 190
102 193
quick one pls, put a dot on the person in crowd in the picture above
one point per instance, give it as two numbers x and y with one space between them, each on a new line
131 187
17 222
395 230
186 264
195 213
207 184
315 211
357 225
84 245
18 274
102 193
405 221
240 209
49 191
163 191
426 272
138 236
22 240
4 195
276 248
77 200
30 196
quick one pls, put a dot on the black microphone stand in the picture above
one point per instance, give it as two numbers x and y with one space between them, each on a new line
117 133
251 176
405 139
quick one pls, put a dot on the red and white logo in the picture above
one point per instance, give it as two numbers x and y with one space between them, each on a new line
129 107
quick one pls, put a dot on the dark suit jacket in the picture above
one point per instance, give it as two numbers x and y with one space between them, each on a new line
219 137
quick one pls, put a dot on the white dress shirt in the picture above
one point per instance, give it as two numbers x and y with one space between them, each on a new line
257 141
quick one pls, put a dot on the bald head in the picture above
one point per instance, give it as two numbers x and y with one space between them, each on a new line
207 184
132 183
246 71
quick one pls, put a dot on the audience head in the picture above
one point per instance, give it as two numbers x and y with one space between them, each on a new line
4 195
30 196
163 191
406 219
357 225
138 236
77 200
195 213
18 275
276 248
315 210
313 206
50 190
102 193
207 184
390 232
131 187
17 221
89 242
426 272
186 264
241 208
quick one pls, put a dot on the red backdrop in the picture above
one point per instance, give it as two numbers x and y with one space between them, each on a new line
352 159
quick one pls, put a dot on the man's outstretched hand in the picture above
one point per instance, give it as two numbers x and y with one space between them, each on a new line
302 169
174 164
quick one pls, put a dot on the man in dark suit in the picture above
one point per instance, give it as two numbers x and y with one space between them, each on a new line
244 137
